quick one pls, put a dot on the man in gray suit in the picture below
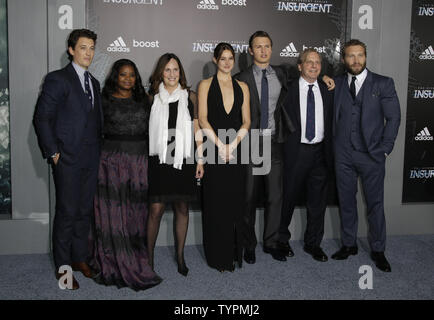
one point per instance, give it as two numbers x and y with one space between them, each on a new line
366 122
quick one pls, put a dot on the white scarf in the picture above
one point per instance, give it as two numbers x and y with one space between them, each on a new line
158 125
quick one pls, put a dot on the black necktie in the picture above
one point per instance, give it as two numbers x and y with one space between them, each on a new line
310 114
353 87
264 100
87 87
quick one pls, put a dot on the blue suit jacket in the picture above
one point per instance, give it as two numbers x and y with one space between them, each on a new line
61 113
381 113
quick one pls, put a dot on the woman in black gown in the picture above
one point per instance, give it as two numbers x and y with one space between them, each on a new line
172 172
118 241
224 103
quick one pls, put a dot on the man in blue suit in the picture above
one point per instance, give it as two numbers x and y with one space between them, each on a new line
68 123
365 125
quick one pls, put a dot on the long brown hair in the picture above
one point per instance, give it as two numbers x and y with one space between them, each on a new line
157 75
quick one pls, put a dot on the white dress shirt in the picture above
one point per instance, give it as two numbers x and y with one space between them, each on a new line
360 78
319 111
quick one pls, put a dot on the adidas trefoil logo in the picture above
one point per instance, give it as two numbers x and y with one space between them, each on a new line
428 54
118 46
207 5
289 51
424 135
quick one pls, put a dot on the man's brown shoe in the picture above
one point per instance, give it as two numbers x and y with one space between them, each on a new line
83 268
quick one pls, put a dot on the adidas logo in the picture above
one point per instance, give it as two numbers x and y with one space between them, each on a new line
207 5
424 135
289 51
428 54
118 46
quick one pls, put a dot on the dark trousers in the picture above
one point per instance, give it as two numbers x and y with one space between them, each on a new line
350 166
309 176
272 183
75 189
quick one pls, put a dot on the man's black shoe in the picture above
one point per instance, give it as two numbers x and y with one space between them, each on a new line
381 261
345 252
275 253
285 248
249 256
316 253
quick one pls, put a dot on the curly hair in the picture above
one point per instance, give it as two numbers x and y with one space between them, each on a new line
111 83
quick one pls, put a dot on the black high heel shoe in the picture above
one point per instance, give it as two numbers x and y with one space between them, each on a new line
182 269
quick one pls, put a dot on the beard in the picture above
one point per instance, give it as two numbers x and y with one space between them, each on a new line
353 69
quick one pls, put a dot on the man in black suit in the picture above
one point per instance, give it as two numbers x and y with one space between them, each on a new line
366 121
308 152
68 123
268 89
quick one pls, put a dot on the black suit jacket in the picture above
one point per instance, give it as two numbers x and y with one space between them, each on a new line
292 108
61 113
284 125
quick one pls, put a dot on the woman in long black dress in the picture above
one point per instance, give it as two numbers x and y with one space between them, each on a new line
172 172
119 253
224 103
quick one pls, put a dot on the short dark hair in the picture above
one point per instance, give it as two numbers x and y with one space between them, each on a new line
77 34
350 43
302 57
220 48
111 83
258 34
157 75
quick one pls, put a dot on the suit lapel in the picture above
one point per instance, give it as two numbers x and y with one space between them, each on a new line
367 91
252 82
340 89
296 106
78 88
324 97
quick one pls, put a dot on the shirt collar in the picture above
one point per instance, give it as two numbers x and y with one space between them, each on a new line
304 84
258 70
80 70
360 77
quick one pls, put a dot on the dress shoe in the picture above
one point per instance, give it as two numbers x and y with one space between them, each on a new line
381 261
182 269
83 268
285 248
316 253
275 253
75 284
249 256
345 252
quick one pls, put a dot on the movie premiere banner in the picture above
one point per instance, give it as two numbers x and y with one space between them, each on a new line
143 30
418 184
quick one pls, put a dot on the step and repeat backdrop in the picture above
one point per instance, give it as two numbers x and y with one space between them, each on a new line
418 184
143 30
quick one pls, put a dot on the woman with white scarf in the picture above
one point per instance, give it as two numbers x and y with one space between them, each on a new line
172 173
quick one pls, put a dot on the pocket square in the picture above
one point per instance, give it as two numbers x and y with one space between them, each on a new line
376 93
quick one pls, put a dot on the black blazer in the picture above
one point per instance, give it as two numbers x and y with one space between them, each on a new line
284 125
292 108
61 113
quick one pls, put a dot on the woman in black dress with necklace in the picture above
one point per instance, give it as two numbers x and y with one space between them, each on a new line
224 103
118 241
172 169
